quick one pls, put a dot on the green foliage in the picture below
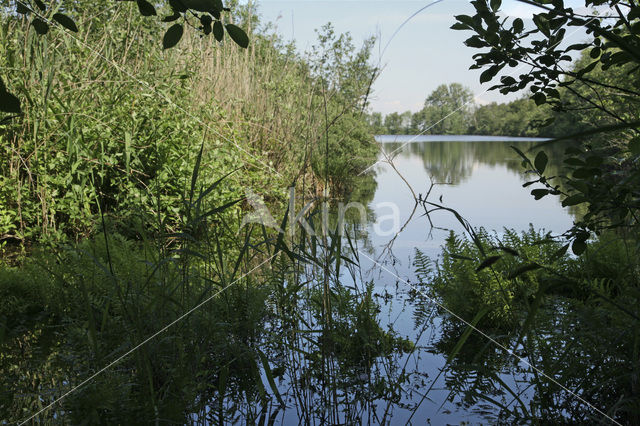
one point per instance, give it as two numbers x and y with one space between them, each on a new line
98 136
190 12
598 93
562 315
451 109
447 110
500 280
352 149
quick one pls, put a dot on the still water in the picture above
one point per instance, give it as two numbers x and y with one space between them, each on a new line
359 342
482 180
479 177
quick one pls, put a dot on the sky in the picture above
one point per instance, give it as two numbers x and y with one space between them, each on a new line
423 54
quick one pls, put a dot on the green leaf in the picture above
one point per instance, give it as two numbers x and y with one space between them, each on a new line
518 25
475 41
201 5
495 5
543 24
40 26
488 262
584 173
465 19
489 74
177 5
8 101
146 8
172 36
523 268
238 35
41 5
459 26
176 15
22 9
459 257
573 161
540 162
467 332
578 247
539 98
269 374
539 193
218 30
65 21
511 251
572 200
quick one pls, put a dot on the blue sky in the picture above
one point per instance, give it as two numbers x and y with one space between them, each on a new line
422 55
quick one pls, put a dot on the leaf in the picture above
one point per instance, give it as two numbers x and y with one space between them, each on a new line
465 19
511 251
146 8
460 257
572 200
584 173
488 262
634 145
543 24
573 161
172 36
523 268
269 374
9 102
539 193
489 74
467 332
176 15
459 26
238 35
218 30
495 5
539 98
578 247
65 21
22 9
475 41
518 25
177 6
40 26
540 162
41 5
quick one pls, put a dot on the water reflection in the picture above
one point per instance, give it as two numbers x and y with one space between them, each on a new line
333 333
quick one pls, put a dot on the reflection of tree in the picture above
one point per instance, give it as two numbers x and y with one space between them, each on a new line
453 162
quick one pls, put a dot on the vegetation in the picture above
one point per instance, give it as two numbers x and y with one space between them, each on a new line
551 317
131 290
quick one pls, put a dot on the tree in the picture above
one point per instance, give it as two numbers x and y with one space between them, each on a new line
603 173
204 15
447 110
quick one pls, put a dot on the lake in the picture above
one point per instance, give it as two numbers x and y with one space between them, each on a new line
481 179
